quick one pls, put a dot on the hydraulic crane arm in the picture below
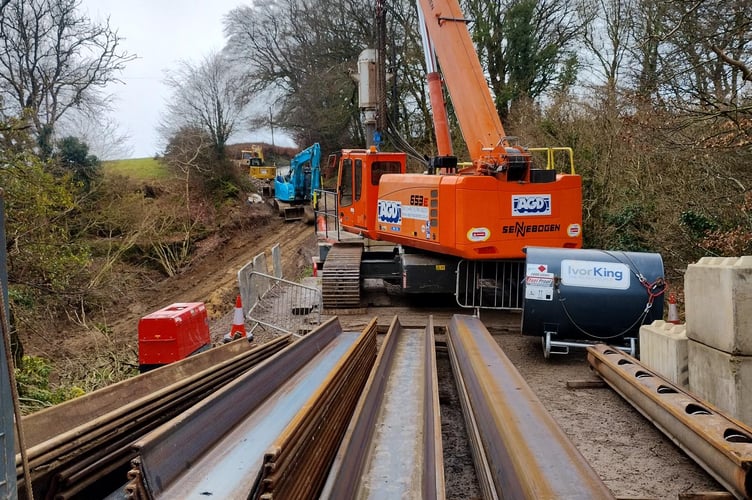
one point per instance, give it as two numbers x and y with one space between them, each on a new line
473 105
305 170
435 92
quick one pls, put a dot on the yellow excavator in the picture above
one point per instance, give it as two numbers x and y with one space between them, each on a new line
253 158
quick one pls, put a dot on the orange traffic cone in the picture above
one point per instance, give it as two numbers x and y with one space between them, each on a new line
321 223
237 331
673 309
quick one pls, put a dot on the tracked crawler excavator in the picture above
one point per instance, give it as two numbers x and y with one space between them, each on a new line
458 229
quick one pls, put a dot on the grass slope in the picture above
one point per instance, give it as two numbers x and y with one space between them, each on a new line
137 168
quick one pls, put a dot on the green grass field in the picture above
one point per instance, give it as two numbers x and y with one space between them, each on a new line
137 168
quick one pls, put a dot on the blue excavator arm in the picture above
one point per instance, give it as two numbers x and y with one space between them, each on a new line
303 178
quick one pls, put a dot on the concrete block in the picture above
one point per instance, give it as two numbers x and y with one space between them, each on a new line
663 349
722 379
718 295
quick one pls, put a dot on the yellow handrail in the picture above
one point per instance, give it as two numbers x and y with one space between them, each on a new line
550 154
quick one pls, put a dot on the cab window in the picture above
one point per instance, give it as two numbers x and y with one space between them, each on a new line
380 168
345 185
358 177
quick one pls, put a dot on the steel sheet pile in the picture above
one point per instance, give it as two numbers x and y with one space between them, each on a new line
296 464
718 443
217 447
83 447
518 448
392 448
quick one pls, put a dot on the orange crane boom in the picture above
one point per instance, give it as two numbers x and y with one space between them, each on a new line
464 77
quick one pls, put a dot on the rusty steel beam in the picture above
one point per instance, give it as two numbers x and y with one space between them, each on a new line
392 448
83 453
719 444
486 482
50 423
526 453
216 448
295 465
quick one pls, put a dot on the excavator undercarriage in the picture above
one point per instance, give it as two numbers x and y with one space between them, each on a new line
493 284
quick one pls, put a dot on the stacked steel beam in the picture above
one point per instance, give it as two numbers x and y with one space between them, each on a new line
217 447
392 448
296 464
73 454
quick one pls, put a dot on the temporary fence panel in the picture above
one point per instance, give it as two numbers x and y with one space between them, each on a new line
284 306
251 290
277 261
490 284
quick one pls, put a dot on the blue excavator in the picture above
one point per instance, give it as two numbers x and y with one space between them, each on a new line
295 192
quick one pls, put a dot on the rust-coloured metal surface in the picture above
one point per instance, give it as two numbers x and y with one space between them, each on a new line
73 456
217 448
719 444
51 422
392 448
295 465
205 438
524 452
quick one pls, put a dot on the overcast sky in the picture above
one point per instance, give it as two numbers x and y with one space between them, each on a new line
160 33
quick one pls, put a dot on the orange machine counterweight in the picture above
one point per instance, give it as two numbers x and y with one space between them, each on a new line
467 216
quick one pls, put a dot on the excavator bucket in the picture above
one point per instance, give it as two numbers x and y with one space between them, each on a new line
296 212
299 212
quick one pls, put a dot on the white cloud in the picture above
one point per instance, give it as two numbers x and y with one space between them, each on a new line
160 33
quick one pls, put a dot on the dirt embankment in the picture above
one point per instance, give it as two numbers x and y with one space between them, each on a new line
210 278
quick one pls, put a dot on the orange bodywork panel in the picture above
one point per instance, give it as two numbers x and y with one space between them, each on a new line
468 216
479 217
359 172
463 75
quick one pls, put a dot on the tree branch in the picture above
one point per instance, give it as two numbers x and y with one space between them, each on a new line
746 71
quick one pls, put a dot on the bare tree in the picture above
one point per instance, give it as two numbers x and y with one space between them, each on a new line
53 59
102 134
608 37
698 33
207 96
303 53
648 27
702 55
695 63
